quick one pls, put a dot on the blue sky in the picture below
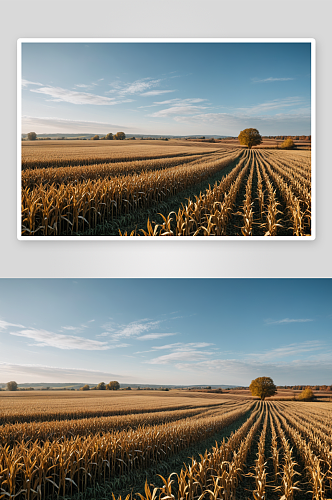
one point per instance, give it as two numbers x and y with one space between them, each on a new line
166 331
166 88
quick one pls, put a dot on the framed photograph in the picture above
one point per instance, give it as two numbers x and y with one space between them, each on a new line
104 401
166 137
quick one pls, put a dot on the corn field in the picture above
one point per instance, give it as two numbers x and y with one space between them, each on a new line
211 192
275 449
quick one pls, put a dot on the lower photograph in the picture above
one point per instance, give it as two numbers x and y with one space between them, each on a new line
160 389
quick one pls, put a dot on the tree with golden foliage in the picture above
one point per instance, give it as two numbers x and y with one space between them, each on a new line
306 394
262 387
250 137
120 136
113 385
288 143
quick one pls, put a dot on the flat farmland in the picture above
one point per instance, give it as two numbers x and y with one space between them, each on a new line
207 446
163 188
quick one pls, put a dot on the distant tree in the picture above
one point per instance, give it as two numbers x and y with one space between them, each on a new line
32 136
85 387
262 387
95 138
250 137
120 136
12 386
101 386
128 388
113 385
109 137
288 143
306 394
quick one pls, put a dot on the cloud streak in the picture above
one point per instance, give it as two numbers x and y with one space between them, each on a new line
271 79
54 125
154 336
59 94
191 351
287 321
43 373
44 338
135 329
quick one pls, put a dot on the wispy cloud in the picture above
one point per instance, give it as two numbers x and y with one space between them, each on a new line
26 83
44 338
271 79
136 87
294 349
287 321
283 103
153 336
43 373
191 351
4 325
140 87
136 329
59 94
54 125
178 107
157 92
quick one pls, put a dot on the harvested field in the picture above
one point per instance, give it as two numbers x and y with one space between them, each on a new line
177 188
239 448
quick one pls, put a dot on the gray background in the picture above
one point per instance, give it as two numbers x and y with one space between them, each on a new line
181 19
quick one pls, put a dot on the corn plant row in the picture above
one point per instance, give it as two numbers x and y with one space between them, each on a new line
37 470
321 414
293 204
320 444
308 419
288 484
313 464
274 449
247 208
300 167
12 417
73 208
209 214
63 429
300 161
260 470
217 473
299 184
95 160
271 222
64 175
